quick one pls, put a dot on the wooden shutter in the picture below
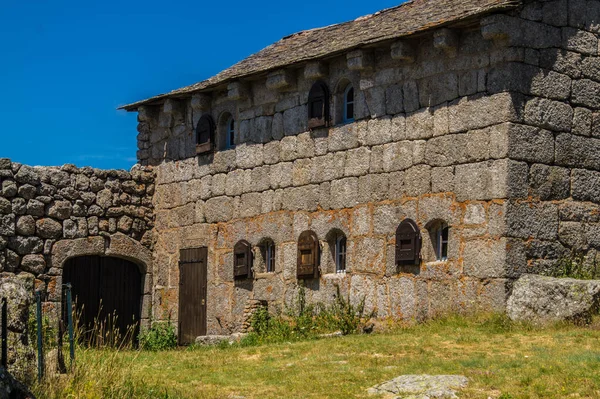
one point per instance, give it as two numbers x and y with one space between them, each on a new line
308 255
318 105
242 260
205 132
408 243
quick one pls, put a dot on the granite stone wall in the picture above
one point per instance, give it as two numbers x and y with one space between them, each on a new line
554 81
51 214
430 141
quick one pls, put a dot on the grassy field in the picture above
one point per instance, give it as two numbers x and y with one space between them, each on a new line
500 359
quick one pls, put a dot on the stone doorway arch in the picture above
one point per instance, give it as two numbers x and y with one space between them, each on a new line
115 246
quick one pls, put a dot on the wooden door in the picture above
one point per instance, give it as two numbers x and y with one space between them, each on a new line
192 294
107 292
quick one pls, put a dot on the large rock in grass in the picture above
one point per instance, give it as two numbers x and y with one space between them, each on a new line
422 386
543 299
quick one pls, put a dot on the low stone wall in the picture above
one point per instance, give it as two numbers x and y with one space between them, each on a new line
48 214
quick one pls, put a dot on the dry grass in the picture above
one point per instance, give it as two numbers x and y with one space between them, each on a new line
501 360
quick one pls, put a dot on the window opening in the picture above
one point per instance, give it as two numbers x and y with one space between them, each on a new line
270 256
230 138
442 242
340 254
348 104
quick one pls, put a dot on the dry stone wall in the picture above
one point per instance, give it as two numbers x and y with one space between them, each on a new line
50 214
429 142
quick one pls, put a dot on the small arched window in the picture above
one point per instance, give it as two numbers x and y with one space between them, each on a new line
205 134
230 134
267 250
348 104
242 260
340 254
441 242
408 243
308 255
318 105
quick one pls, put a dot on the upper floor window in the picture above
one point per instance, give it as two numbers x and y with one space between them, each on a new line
348 104
340 254
318 105
230 136
205 134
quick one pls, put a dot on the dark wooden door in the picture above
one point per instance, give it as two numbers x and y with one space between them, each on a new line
107 291
192 294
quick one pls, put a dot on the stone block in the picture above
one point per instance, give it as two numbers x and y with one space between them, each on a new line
532 220
344 137
410 91
280 175
585 185
530 144
402 50
357 162
375 131
485 258
373 188
218 209
417 180
549 182
548 114
442 179
582 122
580 41
282 79
295 120
438 89
315 70
577 151
481 111
419 125
344 193
368 256
359 60
587 93
304 198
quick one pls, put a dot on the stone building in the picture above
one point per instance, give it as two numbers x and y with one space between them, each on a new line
421 158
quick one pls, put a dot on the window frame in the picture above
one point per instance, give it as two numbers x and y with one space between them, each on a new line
341 250
323 96
441 247
229 134
269 256
345 118
308 242
205 121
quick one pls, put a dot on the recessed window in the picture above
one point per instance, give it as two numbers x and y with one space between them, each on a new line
205 131
267 250
348 104
441 245
408 243
242 260
340 254
308 255
230 137
318 105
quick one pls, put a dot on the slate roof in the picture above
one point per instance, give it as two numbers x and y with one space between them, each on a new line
403 20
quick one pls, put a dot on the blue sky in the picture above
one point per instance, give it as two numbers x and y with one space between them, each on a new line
65 66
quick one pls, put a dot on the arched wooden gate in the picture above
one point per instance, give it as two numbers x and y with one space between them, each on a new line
107 292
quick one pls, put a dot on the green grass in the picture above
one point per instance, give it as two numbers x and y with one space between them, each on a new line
501 360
